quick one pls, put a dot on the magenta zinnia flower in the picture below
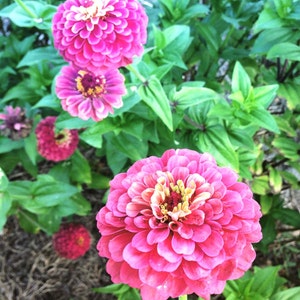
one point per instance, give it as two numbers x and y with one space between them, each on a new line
15 123
178 224
87 95
100 34
72 241
55 145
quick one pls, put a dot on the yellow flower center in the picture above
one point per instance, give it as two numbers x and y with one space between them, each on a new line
173 200
80 241
89 85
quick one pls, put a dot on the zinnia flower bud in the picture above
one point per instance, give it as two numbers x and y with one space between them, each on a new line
72 241
15 123
100 34
178 224
85 94
53 145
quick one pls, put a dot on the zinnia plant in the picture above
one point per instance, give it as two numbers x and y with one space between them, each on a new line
100 35
178 224
72 241
55 145
85 94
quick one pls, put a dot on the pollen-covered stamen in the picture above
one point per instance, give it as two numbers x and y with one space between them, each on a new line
63 137
93 9
89 85
173 199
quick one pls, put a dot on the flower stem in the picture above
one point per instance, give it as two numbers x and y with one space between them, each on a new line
137 74
183 297
26 8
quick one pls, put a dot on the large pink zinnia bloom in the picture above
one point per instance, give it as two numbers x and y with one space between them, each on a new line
178 225
55 145
85 94
100 34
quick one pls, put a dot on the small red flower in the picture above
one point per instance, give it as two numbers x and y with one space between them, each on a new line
52 145
72 241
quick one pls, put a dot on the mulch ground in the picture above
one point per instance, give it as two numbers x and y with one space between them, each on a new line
30 268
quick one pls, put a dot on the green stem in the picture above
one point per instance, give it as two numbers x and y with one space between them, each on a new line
183 297
136 73
26 8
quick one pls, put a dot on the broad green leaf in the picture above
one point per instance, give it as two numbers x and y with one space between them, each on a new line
269 232
290 294
286 50
30 14
178 38
48 101
209 33
270 37
39 55
275 180
288 147
215 140
5 205
7 145
290 91
287 216
49 222
264 119
93 135
64 120
80 169
266 203
154 96
264 95
47 192
260 185
99 181
31 147
284 125
264 281
130 146
189 96
240 80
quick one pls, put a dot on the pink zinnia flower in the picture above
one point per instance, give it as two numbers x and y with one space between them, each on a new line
88 95
177 225
52 145
72 241
100 34
15 123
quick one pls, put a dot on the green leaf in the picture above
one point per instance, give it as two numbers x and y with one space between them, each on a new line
49 222
48 101
287 216
260 185
130 146
290 91
240 80
31 148
93 134
5 199
30 14
80 169
7 145
264 95
269 232
264 281
39 55
47 192
189 96
286 50
288 147
264 119
215 140
154 96
64 120
290 294
275 180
